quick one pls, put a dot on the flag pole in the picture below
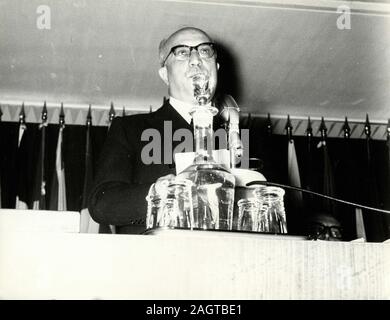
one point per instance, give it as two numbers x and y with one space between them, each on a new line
294 179
87 224
111 115
40 182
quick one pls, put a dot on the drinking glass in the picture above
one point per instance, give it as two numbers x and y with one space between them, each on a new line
154 206
248 214
176 208
272 212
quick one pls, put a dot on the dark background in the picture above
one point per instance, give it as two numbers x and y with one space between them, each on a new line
355 179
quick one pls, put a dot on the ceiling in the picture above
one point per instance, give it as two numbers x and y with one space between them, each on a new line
278 57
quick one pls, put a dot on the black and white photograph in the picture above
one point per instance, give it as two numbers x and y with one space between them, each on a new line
194 155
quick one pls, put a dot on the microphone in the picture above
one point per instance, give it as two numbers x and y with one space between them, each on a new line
230 113
201 88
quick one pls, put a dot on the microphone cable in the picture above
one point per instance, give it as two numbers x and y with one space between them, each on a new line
273 184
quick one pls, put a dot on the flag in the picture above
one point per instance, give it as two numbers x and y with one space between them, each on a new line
39 186
308 174
1 148
58 188
360 229
352 218
373 221
21 197
346 168
387 185
23 160
328 183
103 228
294 202
328 187
87 224
27 151
293 171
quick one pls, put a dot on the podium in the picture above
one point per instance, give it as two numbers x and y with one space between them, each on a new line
39 221
189 265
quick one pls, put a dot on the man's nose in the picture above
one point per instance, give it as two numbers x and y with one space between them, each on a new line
195 59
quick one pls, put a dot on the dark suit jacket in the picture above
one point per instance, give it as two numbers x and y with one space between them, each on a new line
123 180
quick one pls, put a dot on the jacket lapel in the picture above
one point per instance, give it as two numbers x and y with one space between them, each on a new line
176 122
169 113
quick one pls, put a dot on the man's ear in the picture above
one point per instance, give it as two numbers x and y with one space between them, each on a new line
163 72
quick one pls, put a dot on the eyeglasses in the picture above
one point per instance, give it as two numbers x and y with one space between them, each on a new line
319 231
182 52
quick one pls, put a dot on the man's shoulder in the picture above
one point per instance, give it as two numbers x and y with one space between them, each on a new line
143 116
138 122
136 117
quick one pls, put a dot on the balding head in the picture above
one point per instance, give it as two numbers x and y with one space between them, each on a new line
178 37
177 71
324 218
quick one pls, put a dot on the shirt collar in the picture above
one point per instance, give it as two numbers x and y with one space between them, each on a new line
183 108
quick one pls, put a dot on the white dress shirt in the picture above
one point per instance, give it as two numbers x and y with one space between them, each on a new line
183 108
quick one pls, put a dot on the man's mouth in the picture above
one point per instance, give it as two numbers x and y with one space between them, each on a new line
197 73
200 80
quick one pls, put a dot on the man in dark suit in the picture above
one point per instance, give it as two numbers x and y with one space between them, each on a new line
125 172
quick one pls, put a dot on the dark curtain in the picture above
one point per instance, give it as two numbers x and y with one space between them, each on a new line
8 156
385 185
27 156
74 157
18 164
353 181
